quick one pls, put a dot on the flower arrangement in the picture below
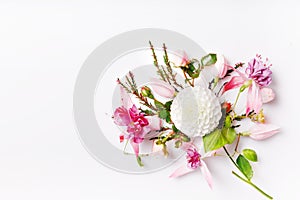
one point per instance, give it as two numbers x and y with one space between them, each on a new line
168 110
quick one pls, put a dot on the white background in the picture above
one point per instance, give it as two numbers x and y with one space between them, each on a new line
42 47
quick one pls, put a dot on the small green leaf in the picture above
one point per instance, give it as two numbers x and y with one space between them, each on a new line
139 161
250 155
218 139
159 105
244 166
168 105
163 114
191 67
175 129
209 59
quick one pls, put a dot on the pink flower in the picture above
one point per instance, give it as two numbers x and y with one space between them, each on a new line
193 158
134 120
162 88
262 131
221 66
259 71
194 162
259 75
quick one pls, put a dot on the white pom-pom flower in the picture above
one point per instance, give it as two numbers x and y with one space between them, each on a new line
196 111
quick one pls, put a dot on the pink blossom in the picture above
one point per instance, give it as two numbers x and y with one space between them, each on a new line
193 158
162 88
134 120
259 71
267 95
194 162
259 75
262 131
221 66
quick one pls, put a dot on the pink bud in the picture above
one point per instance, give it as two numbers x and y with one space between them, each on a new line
162 88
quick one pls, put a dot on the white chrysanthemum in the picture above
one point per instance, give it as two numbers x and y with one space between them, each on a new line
196 111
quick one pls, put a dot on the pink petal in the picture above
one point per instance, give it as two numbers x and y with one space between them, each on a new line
263 131
125 98
162 88
121 116
254 101
154 122
267 95
221 66
135 146
234 82
181 171
206 173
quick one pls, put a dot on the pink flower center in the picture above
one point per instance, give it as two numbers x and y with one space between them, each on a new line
193 158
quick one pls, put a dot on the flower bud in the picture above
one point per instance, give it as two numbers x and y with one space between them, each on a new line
146 92
226 106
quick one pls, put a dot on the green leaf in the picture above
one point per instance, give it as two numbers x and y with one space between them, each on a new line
218 139
164 114
209 59
139 161
168 105
250 155
175 129
159 105
191 67
244 166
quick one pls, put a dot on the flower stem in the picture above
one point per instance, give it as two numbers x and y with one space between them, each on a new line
236 100
253 185
243 179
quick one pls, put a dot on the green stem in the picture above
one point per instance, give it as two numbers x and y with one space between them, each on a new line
245 180
236 100
253 185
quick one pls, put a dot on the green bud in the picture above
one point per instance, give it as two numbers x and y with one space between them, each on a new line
146 92
178 144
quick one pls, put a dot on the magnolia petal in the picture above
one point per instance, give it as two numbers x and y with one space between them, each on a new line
267 95
206 173
155 147
162 88
235 82
183 170
125 98
254 101
263 131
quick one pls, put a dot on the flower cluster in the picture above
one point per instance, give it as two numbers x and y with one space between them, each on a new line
170 110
